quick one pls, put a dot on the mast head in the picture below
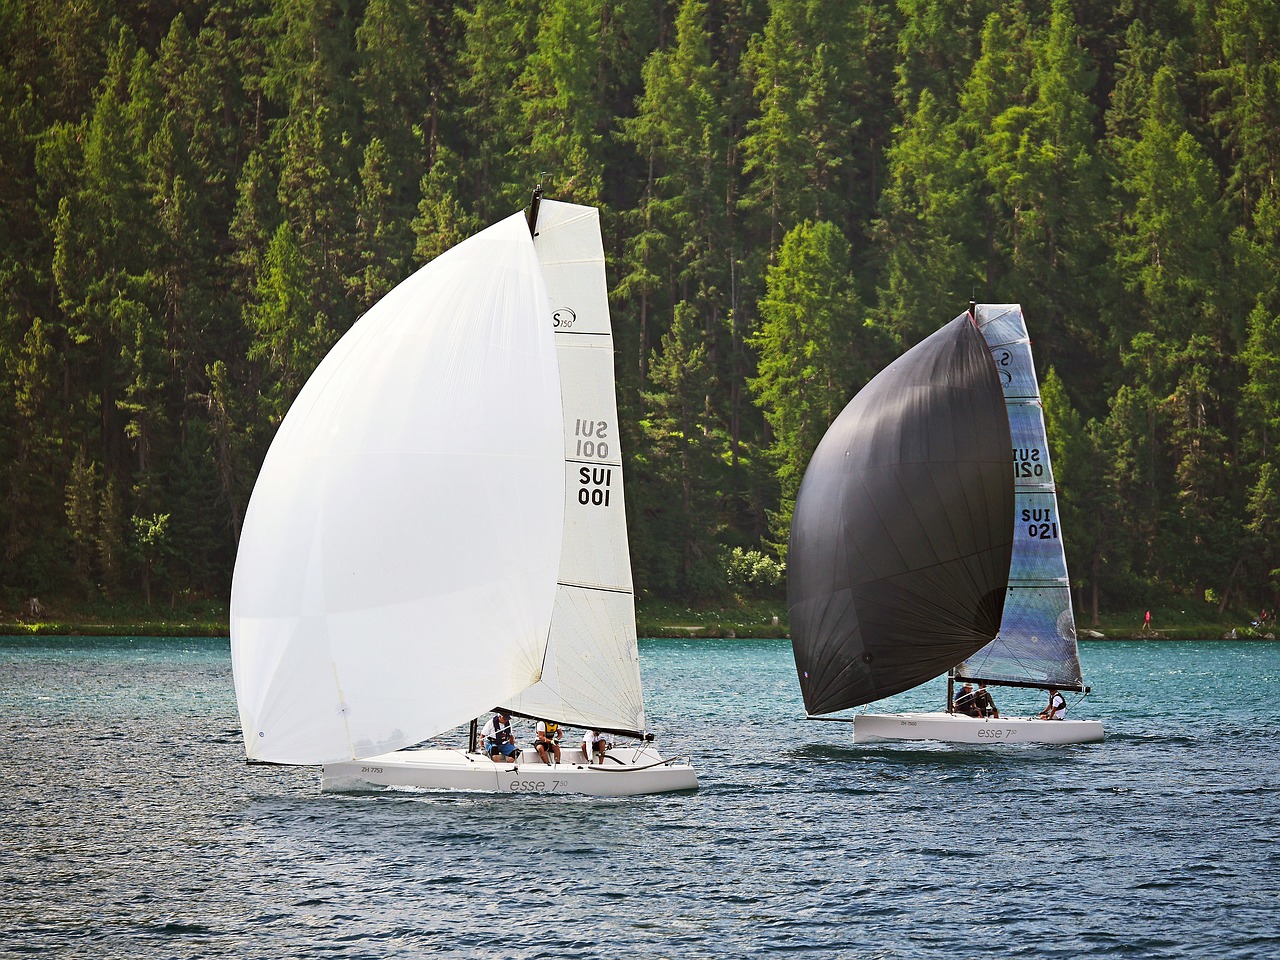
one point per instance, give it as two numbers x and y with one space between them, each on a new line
532 215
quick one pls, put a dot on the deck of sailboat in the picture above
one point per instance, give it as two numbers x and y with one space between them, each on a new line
627 771
958 728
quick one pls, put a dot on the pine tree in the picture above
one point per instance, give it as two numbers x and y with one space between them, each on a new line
33 558
1173 253
927 226
561 103
813 354
938 41
290 335
107 242
1260 413
1087 508
681 131
1048 191
1245 93
802 147
441 222
406 52
231 439
81 501
498 38
676 475
380 244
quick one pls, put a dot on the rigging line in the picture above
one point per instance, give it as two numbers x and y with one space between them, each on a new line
629 769
595 587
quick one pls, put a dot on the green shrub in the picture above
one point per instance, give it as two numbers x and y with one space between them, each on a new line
751 573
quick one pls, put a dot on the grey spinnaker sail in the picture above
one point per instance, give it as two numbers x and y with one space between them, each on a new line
1036 645
902 531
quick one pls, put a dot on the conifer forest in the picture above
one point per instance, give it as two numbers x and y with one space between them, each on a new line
198 198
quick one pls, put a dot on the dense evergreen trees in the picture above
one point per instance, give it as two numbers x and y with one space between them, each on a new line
197 200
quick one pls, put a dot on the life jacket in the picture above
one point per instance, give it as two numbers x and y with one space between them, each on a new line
1057 707
550 729
501 731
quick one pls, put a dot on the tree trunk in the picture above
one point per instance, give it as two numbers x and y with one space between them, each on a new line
1093 587
1226 594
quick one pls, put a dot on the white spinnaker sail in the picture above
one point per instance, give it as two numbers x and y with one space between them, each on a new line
1037 638
397 568
591 677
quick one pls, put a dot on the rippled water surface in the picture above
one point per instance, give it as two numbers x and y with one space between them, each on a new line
131 826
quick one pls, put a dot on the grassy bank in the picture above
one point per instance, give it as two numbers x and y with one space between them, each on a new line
1187 621
209 618
659 618
189 618
763 619
654 618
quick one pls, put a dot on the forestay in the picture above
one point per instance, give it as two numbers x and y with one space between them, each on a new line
1037 640
397 567
900 539
591 676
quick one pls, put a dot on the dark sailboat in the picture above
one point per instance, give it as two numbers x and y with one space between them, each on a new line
904 542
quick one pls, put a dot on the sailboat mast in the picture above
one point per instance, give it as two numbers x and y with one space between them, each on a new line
533 210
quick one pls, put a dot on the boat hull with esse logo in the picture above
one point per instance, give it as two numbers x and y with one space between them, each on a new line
626 771
957 728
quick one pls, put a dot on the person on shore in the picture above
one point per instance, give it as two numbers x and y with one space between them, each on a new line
1057 708
547 740
499 741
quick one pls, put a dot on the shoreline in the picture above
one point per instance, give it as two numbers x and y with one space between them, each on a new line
214 630
729 619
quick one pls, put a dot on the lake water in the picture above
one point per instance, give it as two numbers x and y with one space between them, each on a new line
133 828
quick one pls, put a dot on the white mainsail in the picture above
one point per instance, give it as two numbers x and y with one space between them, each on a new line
1037 639
591 676
397 569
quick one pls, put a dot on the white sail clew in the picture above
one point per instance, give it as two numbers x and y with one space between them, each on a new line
1037 639
397 570
591 677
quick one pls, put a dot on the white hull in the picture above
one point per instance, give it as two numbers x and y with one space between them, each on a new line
625 772
951 728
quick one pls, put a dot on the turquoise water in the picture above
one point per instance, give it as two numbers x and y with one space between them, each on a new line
132 827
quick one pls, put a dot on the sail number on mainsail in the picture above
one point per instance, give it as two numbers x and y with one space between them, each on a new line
597 447
1040 523
594 489
1026 463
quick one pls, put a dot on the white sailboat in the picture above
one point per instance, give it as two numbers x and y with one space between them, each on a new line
948 586
439 529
